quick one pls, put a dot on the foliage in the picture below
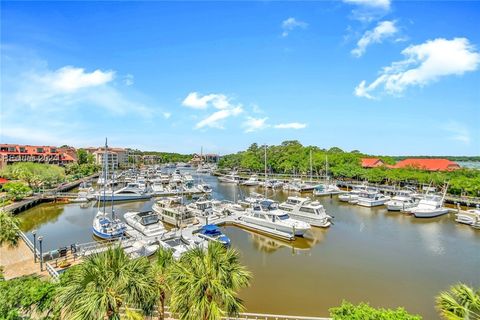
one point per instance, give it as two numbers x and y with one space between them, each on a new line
27 297
363 311
16 190
168 157
77 171
205 283
292 158
84 157
9 229
460 302
35 175
104 284
160 269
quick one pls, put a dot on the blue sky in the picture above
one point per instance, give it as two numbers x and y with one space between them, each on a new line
380 76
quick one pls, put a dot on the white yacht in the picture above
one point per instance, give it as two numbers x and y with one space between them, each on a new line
298 185
132 191
352 196
306 210
141 248
326 189
402 201
252 181
273 184
229 178
148 223
178 244
201 208
429 206
470 217
204 187
171 211
267 214
371 198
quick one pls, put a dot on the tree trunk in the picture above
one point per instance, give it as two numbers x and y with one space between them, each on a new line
161 313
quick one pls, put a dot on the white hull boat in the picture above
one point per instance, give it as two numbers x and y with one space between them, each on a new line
429 207
304 209
148 223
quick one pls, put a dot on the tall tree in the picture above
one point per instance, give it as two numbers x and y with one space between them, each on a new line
459 303
205 283
163 263
9 229
105 284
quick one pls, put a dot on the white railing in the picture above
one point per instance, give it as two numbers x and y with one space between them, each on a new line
51 270
261 316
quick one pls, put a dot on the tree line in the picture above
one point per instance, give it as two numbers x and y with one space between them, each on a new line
291 157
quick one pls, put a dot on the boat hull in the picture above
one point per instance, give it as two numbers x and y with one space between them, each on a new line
263 223
315 222
430 213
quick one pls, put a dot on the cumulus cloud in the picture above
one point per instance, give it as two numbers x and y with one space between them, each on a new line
383 30
291 125
381 4
423 64
71 79
215 119
252 124
290 24
195 101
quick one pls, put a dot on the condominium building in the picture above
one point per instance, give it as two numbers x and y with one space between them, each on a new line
116 157
13 153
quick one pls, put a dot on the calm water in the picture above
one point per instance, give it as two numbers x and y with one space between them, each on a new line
387 259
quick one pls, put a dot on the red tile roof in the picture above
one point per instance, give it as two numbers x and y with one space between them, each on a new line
371 162
428 164
3 180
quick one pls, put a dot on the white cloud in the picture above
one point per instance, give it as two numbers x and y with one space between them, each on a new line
253 124
290 24
383 30
215 119
381 4
423 64
167 115
195 101
458 132
291 125
128 80
71 79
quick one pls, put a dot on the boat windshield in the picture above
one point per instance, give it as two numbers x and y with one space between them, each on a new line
151 219
269 205
283 217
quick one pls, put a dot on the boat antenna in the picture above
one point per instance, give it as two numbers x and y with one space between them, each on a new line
105 174
265 182
311 177
113 190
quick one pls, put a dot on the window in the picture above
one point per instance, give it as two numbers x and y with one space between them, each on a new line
11 149
53 150
309 210
40 150
22 149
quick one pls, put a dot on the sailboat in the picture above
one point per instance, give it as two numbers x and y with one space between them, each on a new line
103 226
326 188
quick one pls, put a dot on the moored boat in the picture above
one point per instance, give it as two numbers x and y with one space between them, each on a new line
306 210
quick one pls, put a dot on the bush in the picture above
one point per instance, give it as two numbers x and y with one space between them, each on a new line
363 311
16 190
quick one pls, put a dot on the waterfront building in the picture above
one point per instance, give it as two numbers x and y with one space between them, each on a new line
428 164
13 153
372 162
204 158
116 157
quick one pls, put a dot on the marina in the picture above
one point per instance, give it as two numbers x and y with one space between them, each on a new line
352 259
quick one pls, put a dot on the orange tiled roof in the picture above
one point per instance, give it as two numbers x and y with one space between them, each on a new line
428 164
371 162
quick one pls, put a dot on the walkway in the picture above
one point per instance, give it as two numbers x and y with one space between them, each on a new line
18 261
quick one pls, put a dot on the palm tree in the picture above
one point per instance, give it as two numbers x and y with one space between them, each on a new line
106 285
459 303
205 283
160 269
9 226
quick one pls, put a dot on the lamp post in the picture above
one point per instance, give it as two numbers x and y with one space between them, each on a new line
34 233
40 239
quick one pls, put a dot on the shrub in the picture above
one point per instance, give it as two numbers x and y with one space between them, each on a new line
363 311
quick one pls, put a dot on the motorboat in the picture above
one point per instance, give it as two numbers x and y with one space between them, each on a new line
304 209
147 222
211 232
470 217
252 181
326 189
229 178
267 214
204 187
177 244
371 198
298 185
201 208
431 205
352 196
141 248
173 212
251 199
132 191
402 201
273 184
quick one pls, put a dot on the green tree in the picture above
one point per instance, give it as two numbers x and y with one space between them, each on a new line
459 303
35 175
205 283
82 156
16 190
161 268
9 229
105 284
363 311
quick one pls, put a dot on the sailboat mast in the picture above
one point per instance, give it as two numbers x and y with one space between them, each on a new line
105 175
113 191
311 176
265 182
